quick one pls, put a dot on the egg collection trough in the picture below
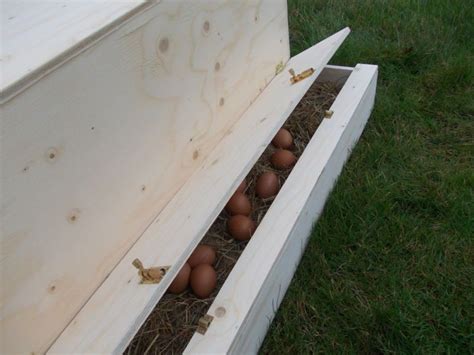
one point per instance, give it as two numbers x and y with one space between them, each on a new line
176 317
123 138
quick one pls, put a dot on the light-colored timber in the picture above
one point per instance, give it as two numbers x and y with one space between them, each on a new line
121 304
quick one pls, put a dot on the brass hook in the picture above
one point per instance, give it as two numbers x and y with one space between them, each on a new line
301 76
151 275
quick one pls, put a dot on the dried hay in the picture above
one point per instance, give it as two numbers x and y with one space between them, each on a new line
174 320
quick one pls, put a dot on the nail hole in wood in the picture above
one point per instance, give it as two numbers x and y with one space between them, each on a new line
143 187
195 154
217 66
52 154
221 101
73 216
51 288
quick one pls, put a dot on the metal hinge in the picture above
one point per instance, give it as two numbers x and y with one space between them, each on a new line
204 323
152 275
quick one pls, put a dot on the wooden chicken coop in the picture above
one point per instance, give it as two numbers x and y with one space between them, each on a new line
126 126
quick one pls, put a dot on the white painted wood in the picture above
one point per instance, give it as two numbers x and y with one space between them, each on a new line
248 300
38 35
118 308
91 153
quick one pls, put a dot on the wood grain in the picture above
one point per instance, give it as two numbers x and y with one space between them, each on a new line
248 300
92 152
119 307
39 35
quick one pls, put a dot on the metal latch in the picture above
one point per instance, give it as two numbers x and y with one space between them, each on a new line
204 323
301 76
152 275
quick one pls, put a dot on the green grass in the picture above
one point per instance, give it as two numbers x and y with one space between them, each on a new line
389 267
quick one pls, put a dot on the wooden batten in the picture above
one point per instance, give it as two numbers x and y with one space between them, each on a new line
249 298
102 122
118 308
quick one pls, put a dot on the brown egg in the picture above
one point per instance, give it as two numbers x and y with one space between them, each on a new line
203 254
238 204
283 139
241 227
242 186
203 280
181 281
283 159
267 185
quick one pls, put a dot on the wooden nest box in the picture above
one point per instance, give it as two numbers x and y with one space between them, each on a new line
125 128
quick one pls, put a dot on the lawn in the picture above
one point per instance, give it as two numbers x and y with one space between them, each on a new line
389 267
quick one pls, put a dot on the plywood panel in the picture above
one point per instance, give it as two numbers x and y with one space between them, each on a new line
119 307
92 152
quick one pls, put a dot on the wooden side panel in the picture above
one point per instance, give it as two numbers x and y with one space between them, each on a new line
118 308
92 152
36 36
246 304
